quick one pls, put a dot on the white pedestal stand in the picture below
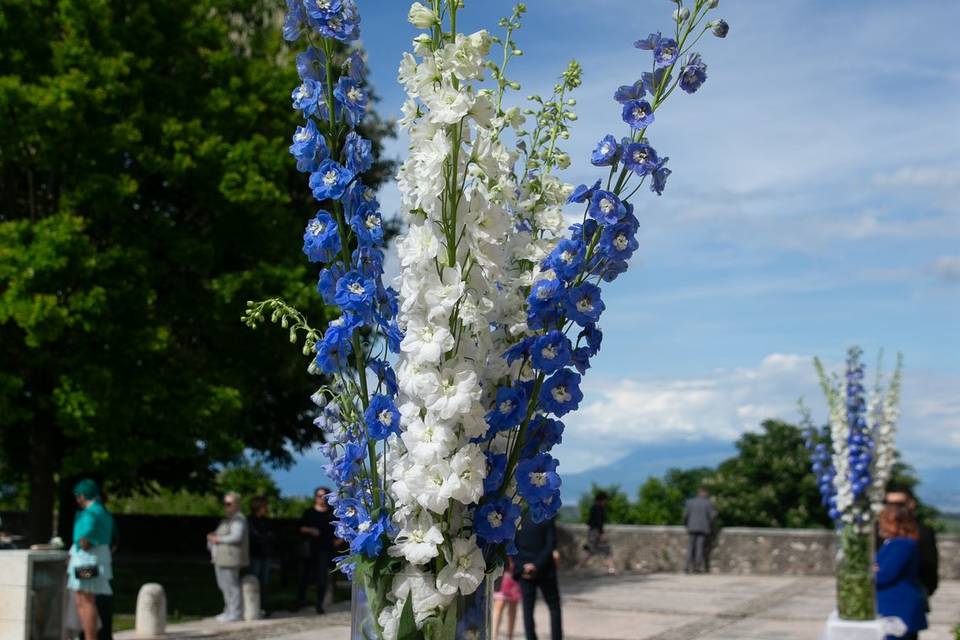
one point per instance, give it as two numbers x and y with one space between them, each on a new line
878 629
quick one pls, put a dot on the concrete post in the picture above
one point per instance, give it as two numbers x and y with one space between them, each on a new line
251 597
151 620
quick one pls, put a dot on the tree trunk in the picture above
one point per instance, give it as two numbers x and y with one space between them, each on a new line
43 486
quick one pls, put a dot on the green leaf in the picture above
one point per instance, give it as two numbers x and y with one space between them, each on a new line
449 629
407 629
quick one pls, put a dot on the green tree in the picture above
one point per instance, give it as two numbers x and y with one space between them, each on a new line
661 501
769 482
619 510
145 195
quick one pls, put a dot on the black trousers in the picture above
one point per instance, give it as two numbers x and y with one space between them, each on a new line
551 595
696 543
105 609
315 567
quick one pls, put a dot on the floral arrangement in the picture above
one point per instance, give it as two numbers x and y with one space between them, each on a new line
853 458
444 397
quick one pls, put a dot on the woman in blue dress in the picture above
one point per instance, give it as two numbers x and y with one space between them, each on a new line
91 567
898 565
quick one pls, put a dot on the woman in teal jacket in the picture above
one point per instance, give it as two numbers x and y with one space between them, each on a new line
91 567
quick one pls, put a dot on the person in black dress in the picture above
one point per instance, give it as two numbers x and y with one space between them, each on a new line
317 542
261 548
534 568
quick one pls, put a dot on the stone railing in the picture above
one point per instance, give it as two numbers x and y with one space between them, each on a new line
737 550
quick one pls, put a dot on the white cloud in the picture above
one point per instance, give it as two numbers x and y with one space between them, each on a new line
622 415
921 177
948 268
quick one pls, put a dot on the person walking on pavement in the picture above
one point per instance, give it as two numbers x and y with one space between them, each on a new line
230 552
699 515
597 543
261 548
534 568
317 542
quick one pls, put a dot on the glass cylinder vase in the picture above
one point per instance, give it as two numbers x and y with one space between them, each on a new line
856 593
465 618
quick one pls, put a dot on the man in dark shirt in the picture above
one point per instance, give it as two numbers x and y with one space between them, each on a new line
533 568
316 533
926 543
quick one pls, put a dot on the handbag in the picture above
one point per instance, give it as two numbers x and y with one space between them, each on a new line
86 572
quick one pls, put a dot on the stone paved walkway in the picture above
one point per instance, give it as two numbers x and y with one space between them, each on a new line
660 607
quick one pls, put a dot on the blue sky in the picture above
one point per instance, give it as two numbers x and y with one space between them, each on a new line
814 204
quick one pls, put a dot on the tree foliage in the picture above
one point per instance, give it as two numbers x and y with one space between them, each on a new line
145 195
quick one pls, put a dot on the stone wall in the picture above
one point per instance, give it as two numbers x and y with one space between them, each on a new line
737 550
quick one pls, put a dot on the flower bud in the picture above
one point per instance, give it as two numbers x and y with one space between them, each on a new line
681 14
720 28
713 4
422 17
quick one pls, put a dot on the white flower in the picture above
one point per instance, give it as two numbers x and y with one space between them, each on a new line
428 440
429 485
417 542
426 342
420 586
455 394
447 104
389 620
421 17
468 469
419 246
464 569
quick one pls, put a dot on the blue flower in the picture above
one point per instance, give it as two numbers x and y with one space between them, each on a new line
566 259
358 153
666 52
560 393
353 66
496 521
310 65
355 292
350 512
584 232
550 352
537 477
382 417
721 28
582 193
519 350
321 240
348 464
660 175
583 304
496 468
640 158
581 359
693 74
509 408
307 97
369 539
618 241
606 153
542 435
606 207
367 225
368 261
629 92
352 98
330 180
293 20
542 303
610 269
547 508
594 337
327 283
308 147
336 346
638 114
385 374
649 43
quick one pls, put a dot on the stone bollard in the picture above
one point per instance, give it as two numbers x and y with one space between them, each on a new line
151 621
251 597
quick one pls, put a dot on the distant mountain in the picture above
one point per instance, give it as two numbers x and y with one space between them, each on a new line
634 468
